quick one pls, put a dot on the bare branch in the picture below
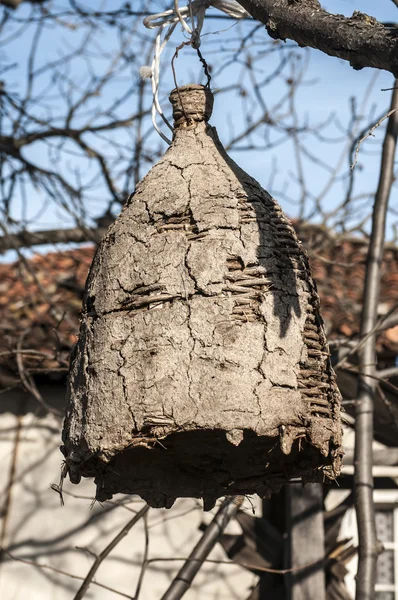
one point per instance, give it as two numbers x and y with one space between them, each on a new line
61 572
101 557
360 39
388 373
370 133
244 565
27 239
29 383
15 3
186 574
385 322
144 559
363 479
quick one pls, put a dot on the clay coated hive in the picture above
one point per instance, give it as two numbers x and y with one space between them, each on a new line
202 368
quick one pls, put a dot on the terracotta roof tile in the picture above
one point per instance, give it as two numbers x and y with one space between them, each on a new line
40 299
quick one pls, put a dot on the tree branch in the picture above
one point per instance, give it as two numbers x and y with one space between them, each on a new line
101 557
61 572
15 3
360 39
27 239
210 537
363 479
387 373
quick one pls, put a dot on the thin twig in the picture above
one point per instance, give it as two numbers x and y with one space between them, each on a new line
28 381
32 563
370 133
101 557
144 559
390 407
358 370
387 373
364 338
233 563
111 502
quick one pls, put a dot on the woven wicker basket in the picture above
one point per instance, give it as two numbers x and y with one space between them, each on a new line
202 367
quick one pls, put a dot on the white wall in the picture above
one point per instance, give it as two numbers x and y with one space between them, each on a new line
39 529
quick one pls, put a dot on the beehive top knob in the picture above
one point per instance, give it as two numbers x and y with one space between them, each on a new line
191 103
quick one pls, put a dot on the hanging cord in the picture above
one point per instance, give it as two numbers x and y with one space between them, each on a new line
168 17
195 10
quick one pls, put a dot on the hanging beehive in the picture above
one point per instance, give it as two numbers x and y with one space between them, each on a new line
202 368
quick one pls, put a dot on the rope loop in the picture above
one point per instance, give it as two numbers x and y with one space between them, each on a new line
195 12
179 15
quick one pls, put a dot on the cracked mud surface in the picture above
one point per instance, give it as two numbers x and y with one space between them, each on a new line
201 368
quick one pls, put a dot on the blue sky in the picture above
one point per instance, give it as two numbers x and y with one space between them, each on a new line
329 85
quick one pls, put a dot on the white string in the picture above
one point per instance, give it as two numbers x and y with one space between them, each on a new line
170 19
229 7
